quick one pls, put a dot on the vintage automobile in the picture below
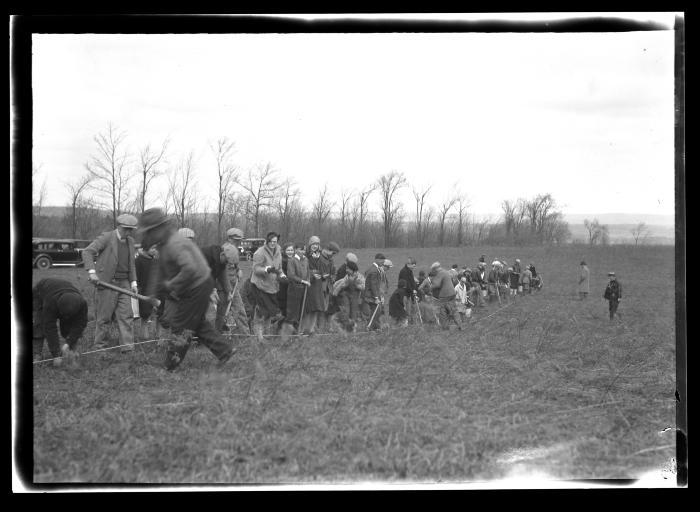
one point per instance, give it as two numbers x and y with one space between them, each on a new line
249 246
48 252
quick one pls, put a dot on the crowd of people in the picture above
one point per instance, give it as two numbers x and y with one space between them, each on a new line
292 288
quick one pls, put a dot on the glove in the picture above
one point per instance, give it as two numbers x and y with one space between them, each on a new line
92 276
134 287
271 270
305 283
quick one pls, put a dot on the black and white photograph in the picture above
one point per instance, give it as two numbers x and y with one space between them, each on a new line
348 251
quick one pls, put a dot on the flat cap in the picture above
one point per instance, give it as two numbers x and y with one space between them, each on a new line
127 220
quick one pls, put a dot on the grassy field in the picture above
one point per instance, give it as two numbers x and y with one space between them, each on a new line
545 387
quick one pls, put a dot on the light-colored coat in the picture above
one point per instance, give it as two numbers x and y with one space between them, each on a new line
101 255
584 281
263 258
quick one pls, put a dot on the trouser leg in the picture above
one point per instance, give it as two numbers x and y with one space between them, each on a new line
125 319
105 307
238 313
221 308
213 340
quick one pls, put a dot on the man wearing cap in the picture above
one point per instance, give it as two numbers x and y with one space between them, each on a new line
444 292
584 284
267 271
110 258
184 275
234 236
613 294
218 262
372 298
57 300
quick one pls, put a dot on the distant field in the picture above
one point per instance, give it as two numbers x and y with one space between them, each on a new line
545 387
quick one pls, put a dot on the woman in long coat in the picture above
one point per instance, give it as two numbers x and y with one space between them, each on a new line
298 276
584 283
316 297
287 254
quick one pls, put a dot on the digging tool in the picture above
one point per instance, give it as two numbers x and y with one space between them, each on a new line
228 307
373 314
152 300
420 317
303 305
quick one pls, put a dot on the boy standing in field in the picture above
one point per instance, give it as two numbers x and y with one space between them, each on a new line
464 305
613 294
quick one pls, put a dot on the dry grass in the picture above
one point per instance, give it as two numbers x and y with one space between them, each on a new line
546 386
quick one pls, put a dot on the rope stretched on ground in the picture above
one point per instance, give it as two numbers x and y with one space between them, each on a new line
252 335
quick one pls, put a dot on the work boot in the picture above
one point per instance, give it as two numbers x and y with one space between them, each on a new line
177 350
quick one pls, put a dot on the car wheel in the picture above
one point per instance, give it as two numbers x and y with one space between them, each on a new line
43 263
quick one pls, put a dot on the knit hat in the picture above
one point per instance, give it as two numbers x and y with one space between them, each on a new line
69 304
314 240
351 257
352 266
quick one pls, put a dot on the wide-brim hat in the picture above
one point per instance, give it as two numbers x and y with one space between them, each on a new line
152 218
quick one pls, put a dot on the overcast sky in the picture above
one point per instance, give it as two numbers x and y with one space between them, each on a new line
588 117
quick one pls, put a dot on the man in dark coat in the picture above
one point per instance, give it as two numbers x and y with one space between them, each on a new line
613 294
372 299
406 273
57 301
183 274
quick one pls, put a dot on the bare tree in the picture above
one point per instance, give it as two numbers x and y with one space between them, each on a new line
537 211
389 184
181 189
321 208
481 228
261 185
227 176
344 217
285 207
360 213
109 169
444 210
597 233
76 189
462 205
420 197
640 232
149 160
508 208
